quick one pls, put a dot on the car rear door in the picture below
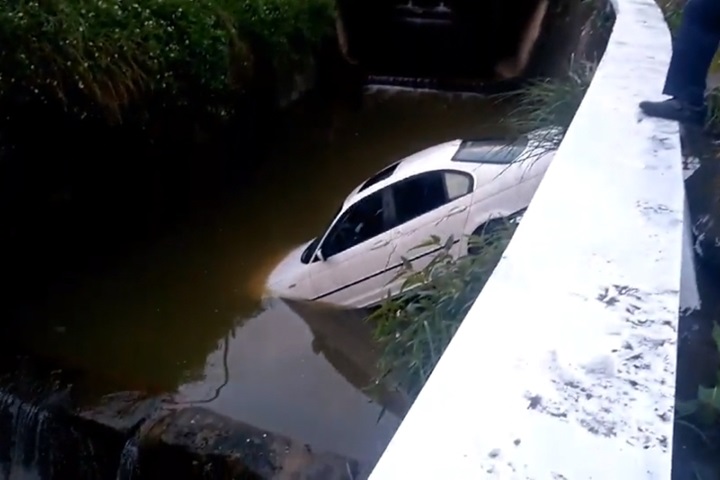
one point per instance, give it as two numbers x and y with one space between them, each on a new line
505 189
432 203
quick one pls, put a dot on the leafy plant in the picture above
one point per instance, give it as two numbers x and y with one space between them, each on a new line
102 57
551 102
415 326
705 409
713 100
672 9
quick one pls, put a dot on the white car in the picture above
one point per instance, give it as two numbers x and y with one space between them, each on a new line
452 189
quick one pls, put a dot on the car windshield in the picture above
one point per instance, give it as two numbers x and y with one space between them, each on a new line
306 256
379 176
309 250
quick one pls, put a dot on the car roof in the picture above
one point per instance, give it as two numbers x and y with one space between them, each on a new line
437 157
442 157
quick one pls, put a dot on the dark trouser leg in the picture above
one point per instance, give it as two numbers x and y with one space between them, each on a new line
693 51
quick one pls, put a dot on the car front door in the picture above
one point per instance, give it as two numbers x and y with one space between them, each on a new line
356 253
433 203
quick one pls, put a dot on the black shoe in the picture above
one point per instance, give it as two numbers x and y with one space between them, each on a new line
674 109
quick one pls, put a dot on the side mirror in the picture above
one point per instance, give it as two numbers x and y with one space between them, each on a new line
319 255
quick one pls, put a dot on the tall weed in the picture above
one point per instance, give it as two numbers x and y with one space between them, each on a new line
104 56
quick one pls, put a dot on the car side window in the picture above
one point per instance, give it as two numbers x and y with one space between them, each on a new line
418 195
457 184
361 222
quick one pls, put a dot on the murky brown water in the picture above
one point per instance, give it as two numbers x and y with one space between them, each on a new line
182 313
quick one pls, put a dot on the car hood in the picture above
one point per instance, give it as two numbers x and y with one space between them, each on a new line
285 274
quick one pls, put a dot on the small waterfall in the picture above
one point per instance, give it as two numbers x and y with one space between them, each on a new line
445 85
128 460
40 442
23 437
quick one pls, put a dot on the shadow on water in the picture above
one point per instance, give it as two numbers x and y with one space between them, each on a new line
150 279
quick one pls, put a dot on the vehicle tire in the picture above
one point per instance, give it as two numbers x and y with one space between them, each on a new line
493 226
488 228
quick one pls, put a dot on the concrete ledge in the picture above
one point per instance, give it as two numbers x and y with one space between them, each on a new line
49 431
565 366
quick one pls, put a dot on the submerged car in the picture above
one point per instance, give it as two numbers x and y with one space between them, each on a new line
453 189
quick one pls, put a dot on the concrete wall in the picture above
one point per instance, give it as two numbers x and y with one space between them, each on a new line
565 366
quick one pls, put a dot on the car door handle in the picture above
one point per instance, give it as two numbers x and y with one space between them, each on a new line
380 244
456 210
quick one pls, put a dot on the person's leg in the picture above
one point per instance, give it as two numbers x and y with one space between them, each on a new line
693 50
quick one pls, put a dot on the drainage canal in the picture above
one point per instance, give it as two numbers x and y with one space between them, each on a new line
135 344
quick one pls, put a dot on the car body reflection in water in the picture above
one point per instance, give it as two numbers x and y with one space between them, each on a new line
324 361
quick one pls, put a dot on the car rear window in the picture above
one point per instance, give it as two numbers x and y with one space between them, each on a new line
496 151
457 184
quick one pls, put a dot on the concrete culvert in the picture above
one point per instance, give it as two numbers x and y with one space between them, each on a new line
442 38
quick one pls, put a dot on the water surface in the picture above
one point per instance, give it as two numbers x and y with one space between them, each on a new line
181 311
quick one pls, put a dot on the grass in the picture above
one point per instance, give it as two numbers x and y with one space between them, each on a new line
550 102
416 326
701 416
106 57
672 9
